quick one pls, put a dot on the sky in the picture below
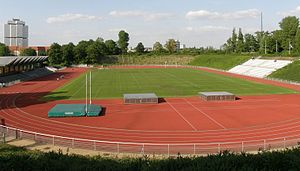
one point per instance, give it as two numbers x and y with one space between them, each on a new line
195 23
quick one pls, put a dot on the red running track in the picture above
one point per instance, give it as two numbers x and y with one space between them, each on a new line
186 120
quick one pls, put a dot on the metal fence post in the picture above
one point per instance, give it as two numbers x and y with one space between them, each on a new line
16 134
118 148
194 149
242 146
219 148
3 136
265 144
168 149
72 142
143 149
53 141
284 143
95 148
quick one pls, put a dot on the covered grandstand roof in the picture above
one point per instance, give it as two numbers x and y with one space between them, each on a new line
15 60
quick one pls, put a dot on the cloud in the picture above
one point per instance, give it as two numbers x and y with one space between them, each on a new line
204 14
207 29
148 16
72 17
217 29
295 11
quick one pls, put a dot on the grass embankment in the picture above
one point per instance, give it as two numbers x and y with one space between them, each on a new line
165 82
224 62
155 59
17 158
290 72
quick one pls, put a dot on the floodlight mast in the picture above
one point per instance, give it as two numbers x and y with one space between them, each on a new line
90 87
276 46
261 22
290 47
86 93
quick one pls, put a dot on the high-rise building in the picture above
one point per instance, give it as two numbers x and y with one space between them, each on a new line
16 33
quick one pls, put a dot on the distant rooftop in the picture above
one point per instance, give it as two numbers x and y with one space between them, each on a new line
13 60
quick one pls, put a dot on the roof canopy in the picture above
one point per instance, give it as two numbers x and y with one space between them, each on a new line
19 60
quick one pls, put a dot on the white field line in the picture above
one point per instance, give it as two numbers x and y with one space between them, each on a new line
181 116
136 81
216 122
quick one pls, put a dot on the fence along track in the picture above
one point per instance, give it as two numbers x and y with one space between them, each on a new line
152 148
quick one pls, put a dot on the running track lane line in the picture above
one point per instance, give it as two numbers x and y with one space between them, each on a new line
182 116
216 122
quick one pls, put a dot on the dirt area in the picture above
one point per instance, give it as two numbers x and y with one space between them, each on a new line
32 145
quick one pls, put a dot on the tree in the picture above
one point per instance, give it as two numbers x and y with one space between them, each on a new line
112 47
100 39
228 48
157 47
95 52
289 26
171 45
55 54
297 42
123 41
42 53
240 42
80 51
233 42
263 44
251 44
267 43
277 34
28 52
140 48
4 50
271 43
68 54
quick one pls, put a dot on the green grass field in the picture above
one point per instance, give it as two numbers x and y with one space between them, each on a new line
170 82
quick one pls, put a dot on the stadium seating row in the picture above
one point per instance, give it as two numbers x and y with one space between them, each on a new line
24 76
259 67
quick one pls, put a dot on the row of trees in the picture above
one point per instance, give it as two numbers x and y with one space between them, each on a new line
284 40
158 48
87 52
93 51
28 52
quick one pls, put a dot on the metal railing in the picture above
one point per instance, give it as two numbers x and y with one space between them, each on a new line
153 148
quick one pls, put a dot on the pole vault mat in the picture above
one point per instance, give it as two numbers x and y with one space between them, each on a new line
74 110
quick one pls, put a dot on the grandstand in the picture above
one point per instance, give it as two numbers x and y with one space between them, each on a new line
259 67
16 69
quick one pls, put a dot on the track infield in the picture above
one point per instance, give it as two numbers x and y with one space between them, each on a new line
165 82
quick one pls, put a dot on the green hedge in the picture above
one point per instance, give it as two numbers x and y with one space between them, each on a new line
145 59
14 158
224 62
